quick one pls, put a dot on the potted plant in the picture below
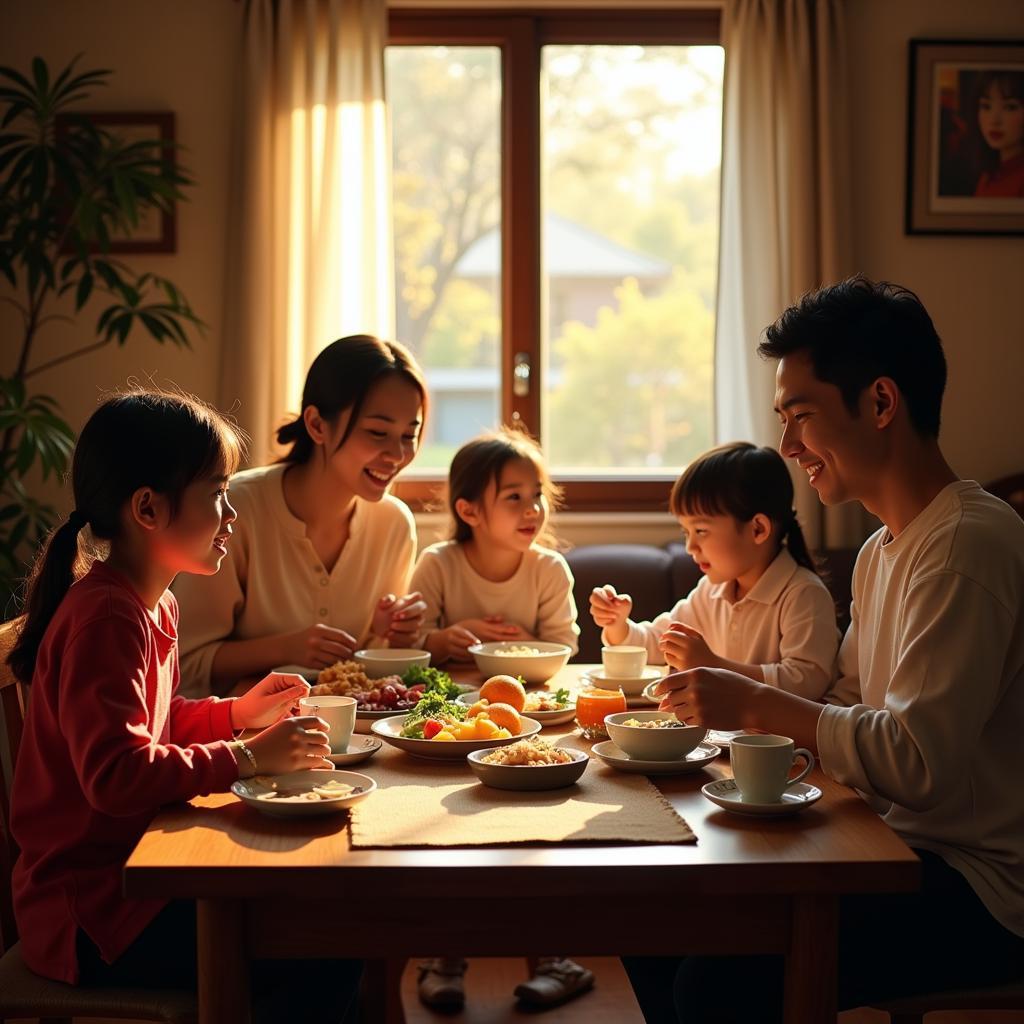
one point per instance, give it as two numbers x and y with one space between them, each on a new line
63 194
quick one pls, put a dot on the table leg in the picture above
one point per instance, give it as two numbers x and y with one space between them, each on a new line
811 961
381 996
223 962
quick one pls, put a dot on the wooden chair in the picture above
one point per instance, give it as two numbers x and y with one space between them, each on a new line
912 1010
27 995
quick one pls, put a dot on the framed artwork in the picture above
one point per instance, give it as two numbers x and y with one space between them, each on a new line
156 230
965 137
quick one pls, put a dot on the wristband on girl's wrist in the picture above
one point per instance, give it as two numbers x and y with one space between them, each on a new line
249 756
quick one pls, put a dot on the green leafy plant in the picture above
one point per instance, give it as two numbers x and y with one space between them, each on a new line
67 186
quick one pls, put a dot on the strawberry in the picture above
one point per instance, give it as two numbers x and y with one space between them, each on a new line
431 727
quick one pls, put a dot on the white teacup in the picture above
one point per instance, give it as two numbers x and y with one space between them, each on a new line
623 662
761 766
338 712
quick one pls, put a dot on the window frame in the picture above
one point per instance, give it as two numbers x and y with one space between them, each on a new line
520 37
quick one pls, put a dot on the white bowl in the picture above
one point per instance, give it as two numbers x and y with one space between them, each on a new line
534 668
389 730
652 744
391 661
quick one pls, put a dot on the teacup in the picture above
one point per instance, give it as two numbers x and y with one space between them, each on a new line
623 662
761 766
338 712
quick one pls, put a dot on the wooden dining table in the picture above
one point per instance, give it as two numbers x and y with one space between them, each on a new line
275 888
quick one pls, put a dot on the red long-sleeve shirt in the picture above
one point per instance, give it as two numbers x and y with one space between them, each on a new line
106 743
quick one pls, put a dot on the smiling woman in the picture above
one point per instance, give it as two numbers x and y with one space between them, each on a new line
321 554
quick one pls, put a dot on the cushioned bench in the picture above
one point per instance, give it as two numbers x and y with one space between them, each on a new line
657 578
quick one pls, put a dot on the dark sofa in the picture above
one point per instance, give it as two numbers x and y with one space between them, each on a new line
657 578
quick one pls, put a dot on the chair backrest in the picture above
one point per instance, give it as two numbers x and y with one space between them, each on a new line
12 707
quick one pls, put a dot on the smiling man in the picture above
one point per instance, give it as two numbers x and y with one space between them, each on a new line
927 719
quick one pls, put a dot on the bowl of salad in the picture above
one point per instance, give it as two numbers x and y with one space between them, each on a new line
384 697
440 729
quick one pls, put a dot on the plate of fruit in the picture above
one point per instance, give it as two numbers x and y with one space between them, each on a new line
447 730
386 696
547 706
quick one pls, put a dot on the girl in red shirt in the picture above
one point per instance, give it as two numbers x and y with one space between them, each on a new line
107 741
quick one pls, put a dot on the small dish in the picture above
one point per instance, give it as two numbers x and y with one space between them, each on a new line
538 667
631 686
389 730
360 749
702 754
796 797
378 662
652 744
545 718
528 778
258 792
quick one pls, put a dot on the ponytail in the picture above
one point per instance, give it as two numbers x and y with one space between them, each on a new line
794 538
296 435
60 565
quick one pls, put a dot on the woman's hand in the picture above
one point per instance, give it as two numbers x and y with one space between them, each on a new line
684 648
317 646
292 745
399 620
610 611
456 641
493 629
271 699
712 697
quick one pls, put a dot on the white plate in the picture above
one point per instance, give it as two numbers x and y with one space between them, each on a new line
545 718
253 792
704 753
360 749
796 797
631 686
453 750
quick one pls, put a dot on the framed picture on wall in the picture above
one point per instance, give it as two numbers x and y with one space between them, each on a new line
156 230
965 137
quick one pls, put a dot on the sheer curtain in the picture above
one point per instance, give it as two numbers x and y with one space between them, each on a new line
784 215
310 244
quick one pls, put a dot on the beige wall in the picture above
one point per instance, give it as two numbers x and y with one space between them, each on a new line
166 55
973 287
180 56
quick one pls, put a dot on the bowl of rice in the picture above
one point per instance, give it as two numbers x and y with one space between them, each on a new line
534 660
530 764
653 735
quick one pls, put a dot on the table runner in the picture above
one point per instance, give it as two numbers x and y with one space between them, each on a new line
438 803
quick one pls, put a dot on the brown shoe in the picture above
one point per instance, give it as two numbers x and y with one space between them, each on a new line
555 981
440 984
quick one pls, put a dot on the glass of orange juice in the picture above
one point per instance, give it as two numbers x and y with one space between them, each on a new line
591 707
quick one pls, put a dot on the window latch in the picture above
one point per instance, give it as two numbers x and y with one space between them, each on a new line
521 375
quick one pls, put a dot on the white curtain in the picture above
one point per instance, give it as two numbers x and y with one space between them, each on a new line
784 215
310 242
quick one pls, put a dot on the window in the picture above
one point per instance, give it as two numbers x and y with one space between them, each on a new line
556 187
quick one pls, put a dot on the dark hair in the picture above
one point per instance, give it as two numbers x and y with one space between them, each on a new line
479 462
133 440
742 480
857 331
340 378
1011 86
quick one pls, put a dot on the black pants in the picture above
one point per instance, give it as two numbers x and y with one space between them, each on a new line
904 944
164 956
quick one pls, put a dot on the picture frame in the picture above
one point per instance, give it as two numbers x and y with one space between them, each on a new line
965 151
156 231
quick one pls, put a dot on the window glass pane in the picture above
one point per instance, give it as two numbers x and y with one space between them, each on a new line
631 154
445 105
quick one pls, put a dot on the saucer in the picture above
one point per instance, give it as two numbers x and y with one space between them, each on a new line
632 686
704 753
361 748
796 797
